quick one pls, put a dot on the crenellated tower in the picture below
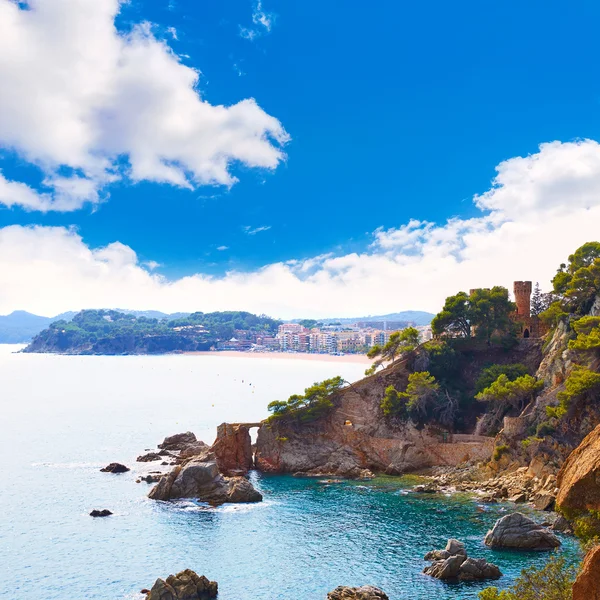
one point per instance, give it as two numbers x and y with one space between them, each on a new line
522 291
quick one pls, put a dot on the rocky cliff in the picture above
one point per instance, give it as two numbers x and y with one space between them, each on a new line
355 436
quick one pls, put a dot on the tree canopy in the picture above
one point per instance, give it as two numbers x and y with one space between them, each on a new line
483 313
400 343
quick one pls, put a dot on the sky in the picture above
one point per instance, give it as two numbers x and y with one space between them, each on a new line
288 158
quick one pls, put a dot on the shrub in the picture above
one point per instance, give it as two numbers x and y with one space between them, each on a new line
491 374
580 381
552 582
545 428
500 451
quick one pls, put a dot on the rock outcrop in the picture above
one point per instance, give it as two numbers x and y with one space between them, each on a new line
355 435
150 457
520 532
179 441
365 592
200 478
233 448
454 564
579 477
186 585
115 468
587 584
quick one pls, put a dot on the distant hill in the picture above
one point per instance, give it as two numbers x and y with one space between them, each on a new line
20 327
112 332
416 317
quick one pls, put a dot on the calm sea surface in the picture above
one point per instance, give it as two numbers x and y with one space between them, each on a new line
65 417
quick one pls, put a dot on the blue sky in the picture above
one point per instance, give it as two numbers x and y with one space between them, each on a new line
395 112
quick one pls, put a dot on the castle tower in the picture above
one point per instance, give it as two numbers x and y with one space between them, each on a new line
522 291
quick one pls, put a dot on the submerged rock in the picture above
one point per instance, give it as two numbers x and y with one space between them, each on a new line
186 585
518 531
100 513
453 563
200 478
115 468
365 592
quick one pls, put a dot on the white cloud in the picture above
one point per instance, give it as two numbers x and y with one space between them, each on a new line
249 230
222 248
412 267
262 20
172 32
81 98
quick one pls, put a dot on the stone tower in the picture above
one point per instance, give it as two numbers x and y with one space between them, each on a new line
522 291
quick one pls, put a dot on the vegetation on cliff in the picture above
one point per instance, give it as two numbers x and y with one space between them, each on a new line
113 332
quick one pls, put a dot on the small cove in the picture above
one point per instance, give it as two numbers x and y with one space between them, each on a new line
65 417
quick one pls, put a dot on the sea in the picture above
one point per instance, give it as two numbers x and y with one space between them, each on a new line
65 417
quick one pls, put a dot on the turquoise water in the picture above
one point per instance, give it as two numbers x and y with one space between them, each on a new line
65 417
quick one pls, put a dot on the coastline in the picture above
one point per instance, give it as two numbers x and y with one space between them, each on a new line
347 358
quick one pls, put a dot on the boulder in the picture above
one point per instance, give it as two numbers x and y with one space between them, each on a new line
578 480
100 513
151 478
186 585
587 584
150 457
179 441
453 563
194 450
428 488
115 468
365 592
200 478
544 501
518 531
562 525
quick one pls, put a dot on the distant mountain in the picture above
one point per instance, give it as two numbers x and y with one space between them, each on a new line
416 317
21 326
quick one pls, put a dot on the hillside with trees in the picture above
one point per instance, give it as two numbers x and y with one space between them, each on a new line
113 332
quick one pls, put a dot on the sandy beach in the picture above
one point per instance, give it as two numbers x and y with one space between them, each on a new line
346 358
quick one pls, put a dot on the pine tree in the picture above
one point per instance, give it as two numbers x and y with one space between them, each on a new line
537 300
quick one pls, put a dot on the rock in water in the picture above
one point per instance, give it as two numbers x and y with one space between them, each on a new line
365 592
115 468
587 584
518 531
186 585
150 457
179 441
233 449
579 478
453 563
200 478
100 513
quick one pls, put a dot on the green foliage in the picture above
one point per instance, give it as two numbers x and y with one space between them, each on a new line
315 402
500 451
545 428
454 319
588 334
444 362
553 582
400 343
113 332
511 393
310 323
394 402
487 312
553 314
491 374
578 282
580 382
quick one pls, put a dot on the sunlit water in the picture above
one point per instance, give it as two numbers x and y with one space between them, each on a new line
65 417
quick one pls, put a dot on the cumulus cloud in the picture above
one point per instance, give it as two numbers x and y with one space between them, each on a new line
89 104
543 207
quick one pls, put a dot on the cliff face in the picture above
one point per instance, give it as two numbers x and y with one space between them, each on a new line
355 436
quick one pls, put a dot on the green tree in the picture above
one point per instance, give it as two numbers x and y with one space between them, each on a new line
490 312
400 342
422 393
455 318
537 300
491 374
580 382
394 402
553 582
553 314
504 395
588 334
316 401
